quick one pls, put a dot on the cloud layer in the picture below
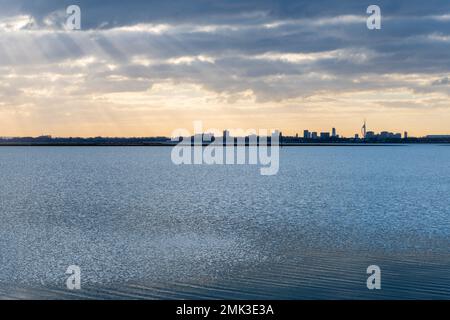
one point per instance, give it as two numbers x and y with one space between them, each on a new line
175 61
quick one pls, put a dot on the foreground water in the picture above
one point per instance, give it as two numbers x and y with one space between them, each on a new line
141 227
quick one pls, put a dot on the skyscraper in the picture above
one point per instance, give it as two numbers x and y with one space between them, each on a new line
227 138
333 132
306 134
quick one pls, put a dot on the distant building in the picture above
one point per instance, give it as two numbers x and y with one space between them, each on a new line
314 135
333 132
306 134
405 135
370 134
227 137
324 135
279 134
356 136
390 135
385 135
198 139
253 139
208 137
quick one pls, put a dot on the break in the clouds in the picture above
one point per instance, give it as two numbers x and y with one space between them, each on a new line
165 61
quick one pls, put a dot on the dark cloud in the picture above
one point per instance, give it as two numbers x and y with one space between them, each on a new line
119 13
277 49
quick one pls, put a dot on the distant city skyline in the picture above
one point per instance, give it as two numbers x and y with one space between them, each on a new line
305 133
141 68
301 133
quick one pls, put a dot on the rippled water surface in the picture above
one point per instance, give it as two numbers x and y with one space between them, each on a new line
141 227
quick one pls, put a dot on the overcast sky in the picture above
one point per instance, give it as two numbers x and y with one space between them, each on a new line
139 68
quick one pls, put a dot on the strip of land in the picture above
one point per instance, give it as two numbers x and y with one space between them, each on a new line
164 141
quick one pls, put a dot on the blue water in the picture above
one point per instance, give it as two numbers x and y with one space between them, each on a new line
142 228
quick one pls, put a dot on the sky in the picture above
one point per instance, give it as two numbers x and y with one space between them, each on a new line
146 68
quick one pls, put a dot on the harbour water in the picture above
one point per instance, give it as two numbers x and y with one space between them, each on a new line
140 227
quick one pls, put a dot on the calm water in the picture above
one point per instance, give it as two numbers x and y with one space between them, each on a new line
140 227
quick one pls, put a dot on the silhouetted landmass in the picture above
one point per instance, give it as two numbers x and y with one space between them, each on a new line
95 141
164 141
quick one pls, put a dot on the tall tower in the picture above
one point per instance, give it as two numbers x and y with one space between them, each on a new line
364 129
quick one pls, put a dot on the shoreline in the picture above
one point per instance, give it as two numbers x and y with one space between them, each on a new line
205 145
